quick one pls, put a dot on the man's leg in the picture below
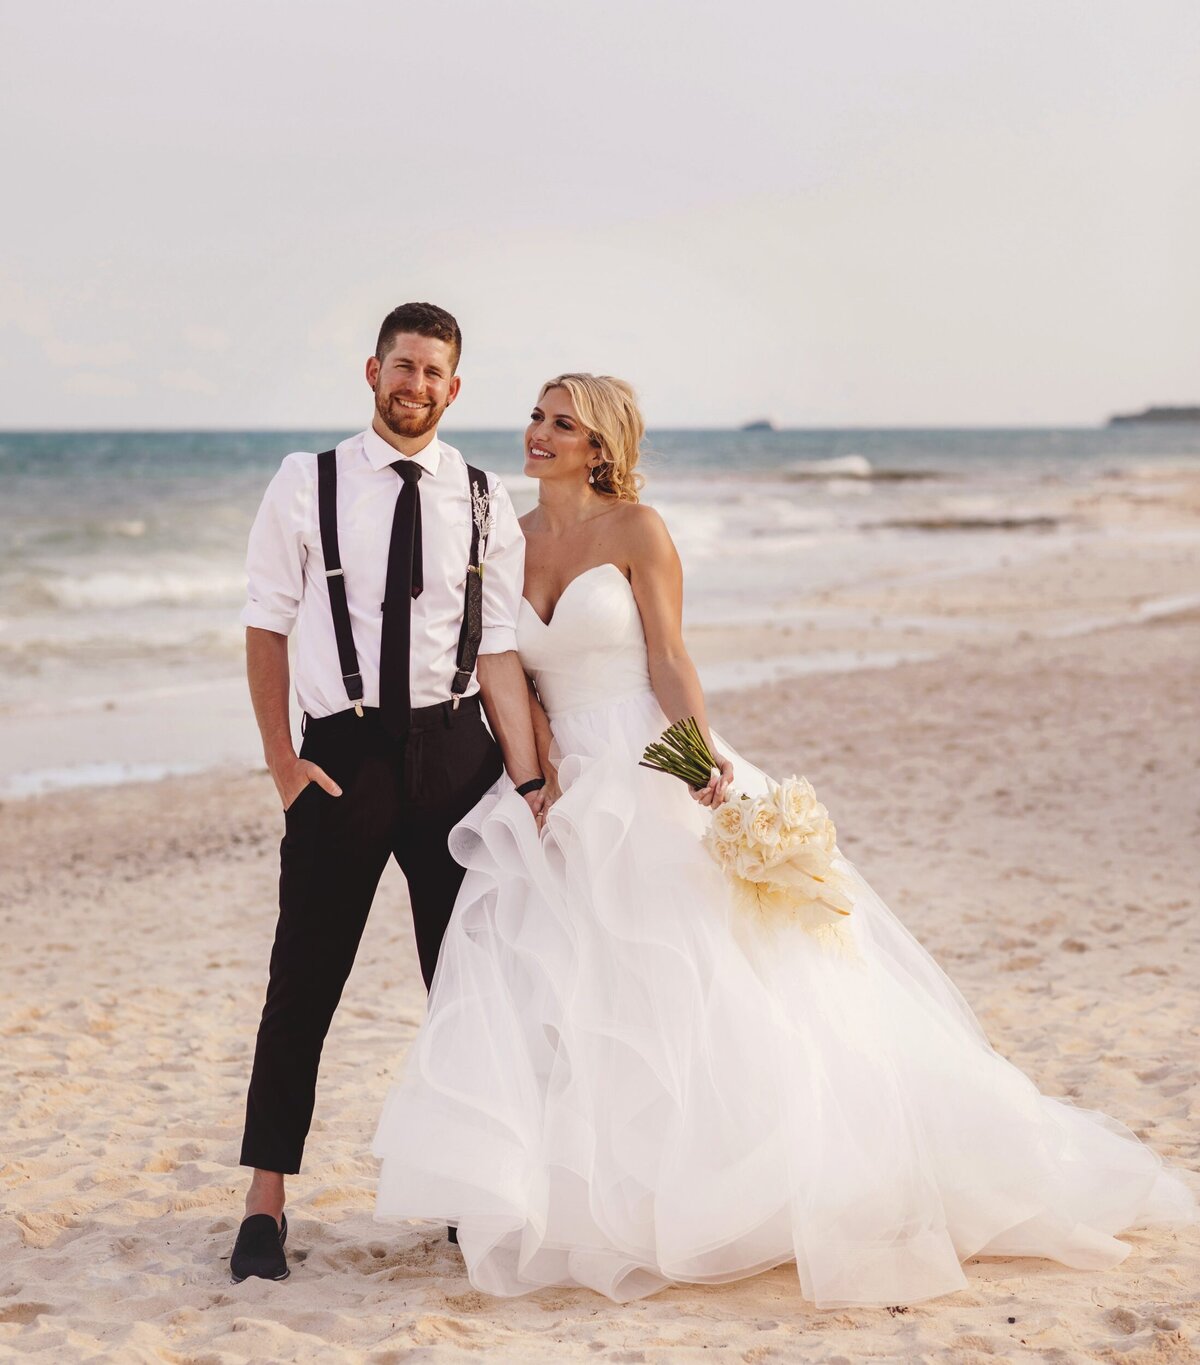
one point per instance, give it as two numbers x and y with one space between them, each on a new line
331 858
449 768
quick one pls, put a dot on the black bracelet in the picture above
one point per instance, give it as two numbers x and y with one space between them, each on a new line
535 784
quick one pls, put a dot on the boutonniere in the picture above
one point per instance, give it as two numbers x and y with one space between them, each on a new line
481 510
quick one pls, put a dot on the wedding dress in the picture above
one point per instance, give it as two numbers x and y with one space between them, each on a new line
623 1081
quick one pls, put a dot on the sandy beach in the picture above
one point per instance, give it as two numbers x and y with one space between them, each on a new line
1020 787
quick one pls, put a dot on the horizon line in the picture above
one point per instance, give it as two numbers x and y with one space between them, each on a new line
494 430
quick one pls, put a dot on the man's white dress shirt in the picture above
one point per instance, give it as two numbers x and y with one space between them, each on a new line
286 569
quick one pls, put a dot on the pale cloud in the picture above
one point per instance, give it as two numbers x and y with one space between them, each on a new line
206 338
187 381
35 320
93 385
20 307
104 355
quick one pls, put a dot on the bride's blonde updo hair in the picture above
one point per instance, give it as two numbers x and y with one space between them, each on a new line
609 412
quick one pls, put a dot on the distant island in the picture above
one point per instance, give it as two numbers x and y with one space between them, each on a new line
762 424
1156 414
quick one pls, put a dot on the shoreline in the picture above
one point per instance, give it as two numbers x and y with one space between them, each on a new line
135 668
207 726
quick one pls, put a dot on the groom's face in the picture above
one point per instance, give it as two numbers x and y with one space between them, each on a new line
414 384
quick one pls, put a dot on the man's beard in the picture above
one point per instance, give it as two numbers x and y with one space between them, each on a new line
407 422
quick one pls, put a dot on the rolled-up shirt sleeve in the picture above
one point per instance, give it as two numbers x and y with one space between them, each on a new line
277 550
503 574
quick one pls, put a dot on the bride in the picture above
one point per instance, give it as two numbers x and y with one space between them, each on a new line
622 1081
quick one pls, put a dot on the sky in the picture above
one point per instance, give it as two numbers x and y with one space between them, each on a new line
862 213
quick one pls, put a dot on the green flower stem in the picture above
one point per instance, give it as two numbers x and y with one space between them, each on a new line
681 752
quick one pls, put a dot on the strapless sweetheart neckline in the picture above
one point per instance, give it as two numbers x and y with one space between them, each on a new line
608 564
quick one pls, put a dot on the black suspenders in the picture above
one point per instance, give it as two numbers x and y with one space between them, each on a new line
469 636
335 579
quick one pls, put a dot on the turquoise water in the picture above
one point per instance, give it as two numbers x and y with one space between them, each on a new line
161 458
143 493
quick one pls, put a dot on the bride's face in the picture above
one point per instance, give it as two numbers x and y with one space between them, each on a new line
556 444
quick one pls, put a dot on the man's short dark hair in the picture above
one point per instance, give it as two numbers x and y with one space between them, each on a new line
424 320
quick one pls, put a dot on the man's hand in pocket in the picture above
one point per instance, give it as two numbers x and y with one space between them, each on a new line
291 780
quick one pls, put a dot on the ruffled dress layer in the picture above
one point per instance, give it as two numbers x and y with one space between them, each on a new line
623 1081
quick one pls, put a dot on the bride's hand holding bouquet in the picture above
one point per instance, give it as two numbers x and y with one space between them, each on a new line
716 790
684 752
778 849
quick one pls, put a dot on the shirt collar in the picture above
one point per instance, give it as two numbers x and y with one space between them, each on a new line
380 455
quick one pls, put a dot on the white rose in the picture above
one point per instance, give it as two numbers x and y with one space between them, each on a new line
796 800
794 837
728 820
764 824
725 852
824 833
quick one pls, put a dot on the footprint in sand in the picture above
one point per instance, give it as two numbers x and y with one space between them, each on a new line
44 1230
1124 1321
468 1303
973 1342
24 1313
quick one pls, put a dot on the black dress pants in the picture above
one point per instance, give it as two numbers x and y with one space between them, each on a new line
400 798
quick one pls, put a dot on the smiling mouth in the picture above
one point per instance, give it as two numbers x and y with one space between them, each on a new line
408 403
537 453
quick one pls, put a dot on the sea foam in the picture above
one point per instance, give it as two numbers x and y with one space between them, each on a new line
117 588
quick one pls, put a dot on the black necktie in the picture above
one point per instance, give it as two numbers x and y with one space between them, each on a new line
405 579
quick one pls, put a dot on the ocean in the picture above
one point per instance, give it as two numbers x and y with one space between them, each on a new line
121 554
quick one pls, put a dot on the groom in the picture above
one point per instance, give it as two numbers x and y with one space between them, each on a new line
400 568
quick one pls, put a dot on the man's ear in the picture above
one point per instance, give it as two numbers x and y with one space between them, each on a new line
373 371
455 385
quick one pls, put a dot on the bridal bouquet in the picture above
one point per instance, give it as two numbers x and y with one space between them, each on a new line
777 850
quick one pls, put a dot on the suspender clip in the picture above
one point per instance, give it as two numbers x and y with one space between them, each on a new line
354 690
457 699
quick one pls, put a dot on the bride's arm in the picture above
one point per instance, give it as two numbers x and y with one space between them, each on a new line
543 738
656 576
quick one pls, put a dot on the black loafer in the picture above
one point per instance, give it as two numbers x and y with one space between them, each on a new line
258 1250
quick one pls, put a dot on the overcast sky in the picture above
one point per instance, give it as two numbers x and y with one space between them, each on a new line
861 212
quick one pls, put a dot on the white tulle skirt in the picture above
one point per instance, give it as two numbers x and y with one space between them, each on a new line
622 1082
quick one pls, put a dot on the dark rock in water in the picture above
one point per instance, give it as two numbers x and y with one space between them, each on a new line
856 467
762 424
1160 414
974 524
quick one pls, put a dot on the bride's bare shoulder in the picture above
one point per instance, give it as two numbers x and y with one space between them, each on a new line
643 531
639 518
